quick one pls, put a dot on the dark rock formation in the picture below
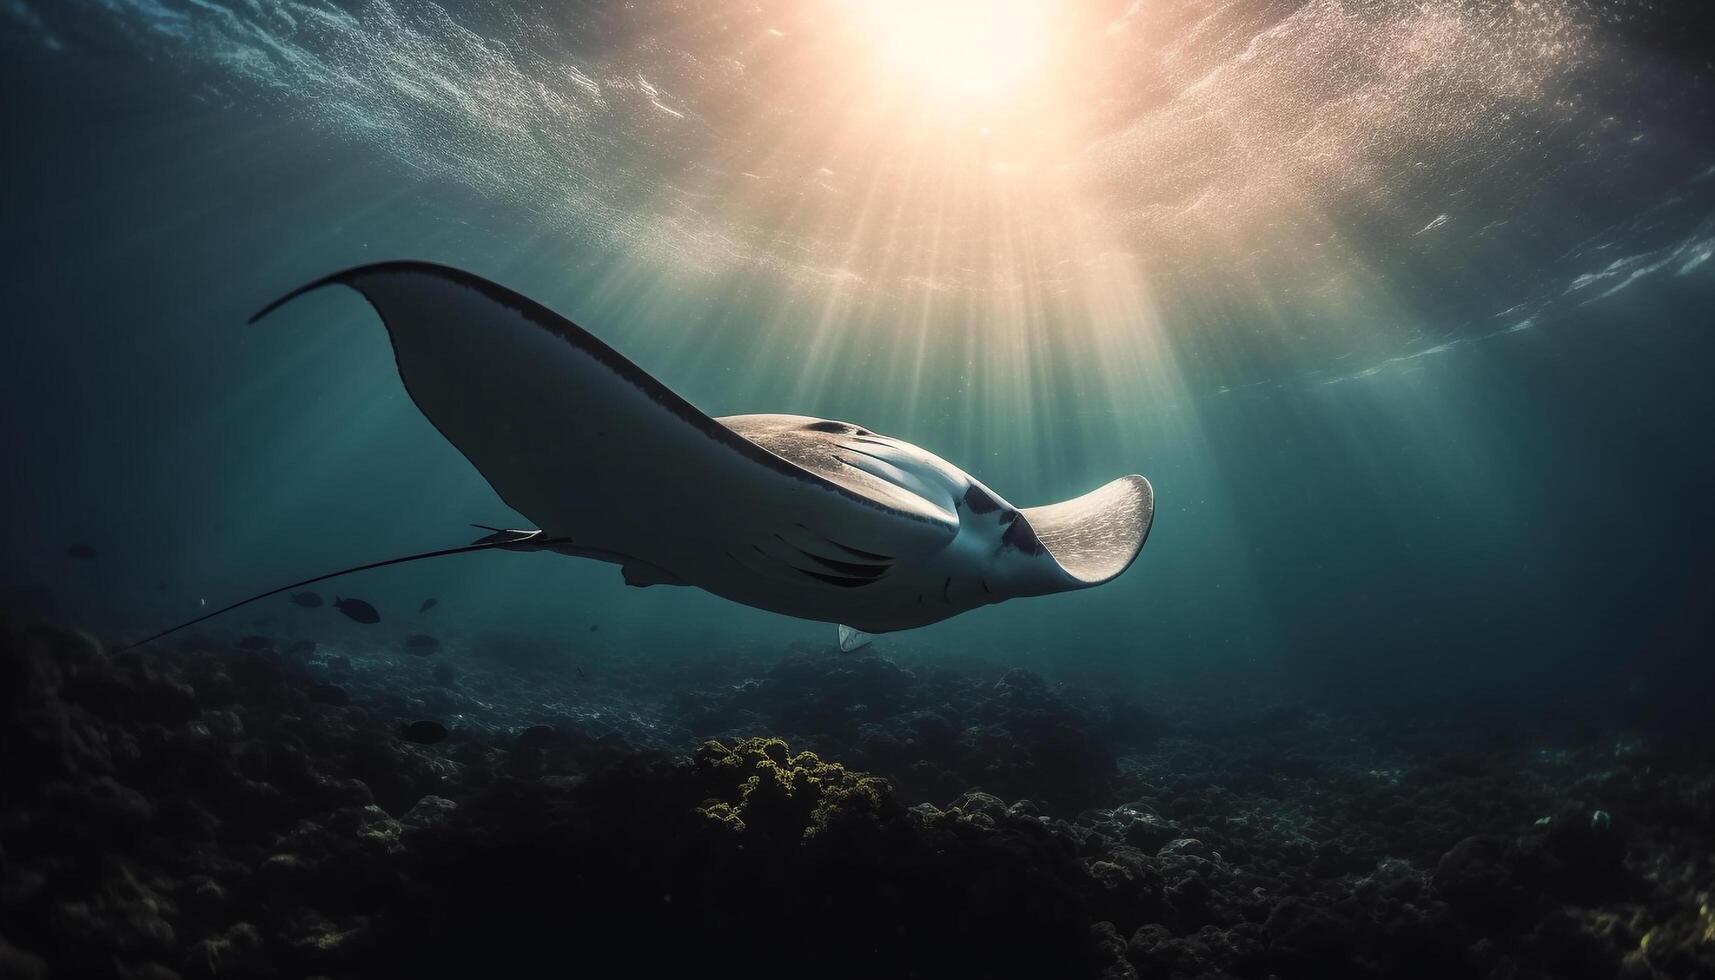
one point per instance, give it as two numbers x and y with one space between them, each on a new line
201 810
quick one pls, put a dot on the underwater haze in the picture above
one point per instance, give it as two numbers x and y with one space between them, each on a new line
1405 309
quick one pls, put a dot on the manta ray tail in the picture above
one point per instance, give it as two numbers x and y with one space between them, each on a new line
502 539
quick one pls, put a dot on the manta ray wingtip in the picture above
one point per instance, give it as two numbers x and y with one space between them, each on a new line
344 277
294 294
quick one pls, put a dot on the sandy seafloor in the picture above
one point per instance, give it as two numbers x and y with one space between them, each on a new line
195 809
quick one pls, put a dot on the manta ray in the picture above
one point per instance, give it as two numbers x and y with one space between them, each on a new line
806 517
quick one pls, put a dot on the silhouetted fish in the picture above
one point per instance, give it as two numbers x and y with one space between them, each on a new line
421 644
308 600
255 643
81 551
424 732
357 609
594 627
427 605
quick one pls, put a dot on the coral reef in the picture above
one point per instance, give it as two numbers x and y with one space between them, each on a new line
781 792
203 810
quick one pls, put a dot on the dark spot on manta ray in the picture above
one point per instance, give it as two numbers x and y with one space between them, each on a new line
357 609
83 551
421 644
307 600
1020 535
946 587
838 428
255 643
979 501
424 732
427 605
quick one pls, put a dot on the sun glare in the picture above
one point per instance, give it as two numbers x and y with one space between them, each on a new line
958 47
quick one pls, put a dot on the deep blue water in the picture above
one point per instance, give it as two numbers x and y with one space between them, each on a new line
1416 358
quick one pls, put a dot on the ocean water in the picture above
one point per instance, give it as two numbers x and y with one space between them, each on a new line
1407 311
1403 311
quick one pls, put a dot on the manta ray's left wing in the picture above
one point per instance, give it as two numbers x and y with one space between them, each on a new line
593 449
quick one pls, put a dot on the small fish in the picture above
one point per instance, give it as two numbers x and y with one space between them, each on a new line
427 605
580 671
421 644
424 732
255 643
357 609
594 627
308 600
83 551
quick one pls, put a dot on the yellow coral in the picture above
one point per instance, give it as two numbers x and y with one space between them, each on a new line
776 788
724 814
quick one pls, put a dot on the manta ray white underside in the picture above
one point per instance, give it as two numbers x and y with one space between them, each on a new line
807 517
